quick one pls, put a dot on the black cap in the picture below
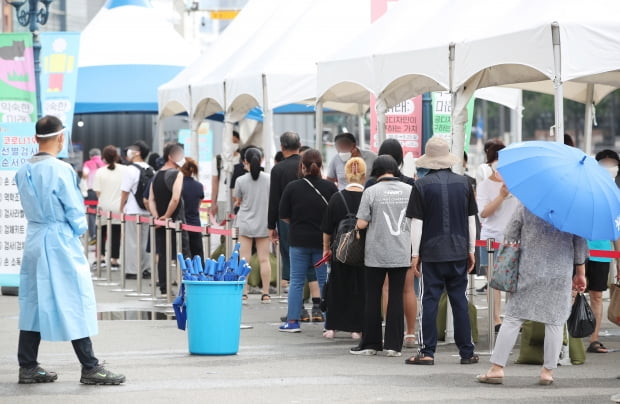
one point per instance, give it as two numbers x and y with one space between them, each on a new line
349 136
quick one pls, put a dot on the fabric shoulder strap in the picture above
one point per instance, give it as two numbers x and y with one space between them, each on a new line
317 191
346 205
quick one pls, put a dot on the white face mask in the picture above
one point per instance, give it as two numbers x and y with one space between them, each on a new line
612 170
181 162
344 156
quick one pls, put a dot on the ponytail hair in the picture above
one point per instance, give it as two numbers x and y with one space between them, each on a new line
253 157
111 157
312 161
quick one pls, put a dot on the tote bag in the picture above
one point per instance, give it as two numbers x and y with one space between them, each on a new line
506 270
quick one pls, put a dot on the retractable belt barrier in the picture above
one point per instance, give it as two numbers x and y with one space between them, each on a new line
173 230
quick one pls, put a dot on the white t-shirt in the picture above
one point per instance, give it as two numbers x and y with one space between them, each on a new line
130 184
336 167
493 226
108 183
483 172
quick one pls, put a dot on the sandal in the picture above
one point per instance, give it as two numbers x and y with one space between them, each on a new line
489 380
265 299
470 361
420 360
410 341
597 347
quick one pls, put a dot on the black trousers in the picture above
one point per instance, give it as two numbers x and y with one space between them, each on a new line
28 350
452 277
195 245
394 322
115 242
160 240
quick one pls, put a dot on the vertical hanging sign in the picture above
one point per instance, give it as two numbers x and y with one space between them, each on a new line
59 56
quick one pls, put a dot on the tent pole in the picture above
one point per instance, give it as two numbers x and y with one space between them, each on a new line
587 130
362 134
557 83
318 116
381 109
519 118
267 128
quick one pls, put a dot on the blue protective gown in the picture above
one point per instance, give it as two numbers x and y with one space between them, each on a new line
56 295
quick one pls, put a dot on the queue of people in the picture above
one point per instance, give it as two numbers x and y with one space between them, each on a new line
420 240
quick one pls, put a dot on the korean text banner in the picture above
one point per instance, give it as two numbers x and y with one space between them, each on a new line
59 57
17 81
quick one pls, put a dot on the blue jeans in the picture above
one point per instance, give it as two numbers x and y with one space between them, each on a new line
303 258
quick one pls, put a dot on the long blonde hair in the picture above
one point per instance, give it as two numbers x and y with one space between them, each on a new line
355 170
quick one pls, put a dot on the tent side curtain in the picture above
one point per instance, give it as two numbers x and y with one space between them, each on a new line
121 88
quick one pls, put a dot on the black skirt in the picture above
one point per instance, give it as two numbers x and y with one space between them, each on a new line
345 298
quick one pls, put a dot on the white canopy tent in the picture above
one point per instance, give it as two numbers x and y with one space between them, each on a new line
285 72
510 45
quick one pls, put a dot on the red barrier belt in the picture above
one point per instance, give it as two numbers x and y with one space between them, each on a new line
193 229
228 232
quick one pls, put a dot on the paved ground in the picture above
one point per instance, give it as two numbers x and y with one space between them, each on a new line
277 368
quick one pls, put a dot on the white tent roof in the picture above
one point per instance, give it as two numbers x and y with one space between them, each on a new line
174 96
522 48
208 90
289 65
132 33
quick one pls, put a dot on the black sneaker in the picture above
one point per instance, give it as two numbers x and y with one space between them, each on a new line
101 375
146 274
317 315
130 276
305 316
36 375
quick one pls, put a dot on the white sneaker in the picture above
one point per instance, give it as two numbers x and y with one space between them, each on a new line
392 353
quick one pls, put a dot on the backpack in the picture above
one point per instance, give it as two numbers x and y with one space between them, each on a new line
146 175
346 225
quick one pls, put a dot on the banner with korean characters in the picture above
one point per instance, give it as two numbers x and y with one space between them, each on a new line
59 58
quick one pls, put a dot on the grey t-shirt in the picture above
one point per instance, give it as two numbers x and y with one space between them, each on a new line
336 168
388 239
252 215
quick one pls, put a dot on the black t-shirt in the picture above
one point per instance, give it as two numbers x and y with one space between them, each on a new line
281 174
304 207
444 201
238 171
193 194
163 182
336 211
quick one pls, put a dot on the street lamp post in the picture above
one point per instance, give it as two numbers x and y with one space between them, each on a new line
31 14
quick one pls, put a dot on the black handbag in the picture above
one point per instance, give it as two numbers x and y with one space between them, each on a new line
581 322
351 248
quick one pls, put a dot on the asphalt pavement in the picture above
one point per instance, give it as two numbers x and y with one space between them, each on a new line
275 367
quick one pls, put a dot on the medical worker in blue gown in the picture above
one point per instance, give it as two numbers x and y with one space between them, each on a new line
56 296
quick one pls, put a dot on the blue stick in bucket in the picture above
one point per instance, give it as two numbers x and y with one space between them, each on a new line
180 310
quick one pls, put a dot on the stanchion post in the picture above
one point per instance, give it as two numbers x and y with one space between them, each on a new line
206 242
123 287
178 232
278 270
169 228
228 239
491 293
98 234
108 253
138 292
154 271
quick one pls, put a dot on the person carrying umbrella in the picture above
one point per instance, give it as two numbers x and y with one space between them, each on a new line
56 296
551 226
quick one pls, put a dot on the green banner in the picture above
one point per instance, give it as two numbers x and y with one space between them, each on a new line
17 81
442 120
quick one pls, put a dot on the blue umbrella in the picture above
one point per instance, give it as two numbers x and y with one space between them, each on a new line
563 186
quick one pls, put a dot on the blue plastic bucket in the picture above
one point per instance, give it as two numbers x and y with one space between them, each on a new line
213 316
